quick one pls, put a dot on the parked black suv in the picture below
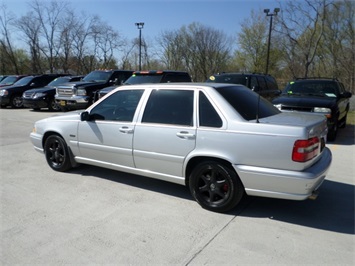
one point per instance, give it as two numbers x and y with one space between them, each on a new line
318 95
10 80
12 95
80 95
44 97
265 85
151 76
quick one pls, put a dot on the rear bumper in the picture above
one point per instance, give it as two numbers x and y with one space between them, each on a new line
284 184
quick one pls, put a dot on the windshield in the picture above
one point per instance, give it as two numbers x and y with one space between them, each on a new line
233 79
97 76
24 81
246 102
139 79
58 81
316 88
8 80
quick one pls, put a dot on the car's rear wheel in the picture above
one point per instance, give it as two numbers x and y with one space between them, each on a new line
57 154
216 186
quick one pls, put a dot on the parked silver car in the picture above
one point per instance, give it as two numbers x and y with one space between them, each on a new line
221 140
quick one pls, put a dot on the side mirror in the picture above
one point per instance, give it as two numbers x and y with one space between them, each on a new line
85 116
346 94
32 84
255 88
278 92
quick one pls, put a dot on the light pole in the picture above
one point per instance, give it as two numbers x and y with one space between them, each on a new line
140 27
276 10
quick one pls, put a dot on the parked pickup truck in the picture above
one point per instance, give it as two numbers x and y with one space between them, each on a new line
79 95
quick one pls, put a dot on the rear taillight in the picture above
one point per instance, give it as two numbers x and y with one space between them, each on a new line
305 150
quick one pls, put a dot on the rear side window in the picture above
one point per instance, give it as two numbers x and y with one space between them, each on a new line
247 103
271 83
208 116
173 107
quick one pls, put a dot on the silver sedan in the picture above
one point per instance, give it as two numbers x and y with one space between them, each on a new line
220 140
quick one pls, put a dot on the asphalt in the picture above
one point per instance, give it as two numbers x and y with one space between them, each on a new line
97 216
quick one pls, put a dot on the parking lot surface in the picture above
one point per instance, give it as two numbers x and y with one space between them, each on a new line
92 215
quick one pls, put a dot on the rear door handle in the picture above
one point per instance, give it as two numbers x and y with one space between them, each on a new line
185 135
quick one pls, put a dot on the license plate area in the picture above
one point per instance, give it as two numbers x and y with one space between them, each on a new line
63 103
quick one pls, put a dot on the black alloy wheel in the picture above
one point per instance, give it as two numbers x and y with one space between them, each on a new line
216 186
57 154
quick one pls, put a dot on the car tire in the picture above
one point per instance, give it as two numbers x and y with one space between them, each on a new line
16 101
215 186
57 153
332 134
343 122
53 106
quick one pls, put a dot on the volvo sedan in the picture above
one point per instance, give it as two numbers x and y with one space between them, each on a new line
220 140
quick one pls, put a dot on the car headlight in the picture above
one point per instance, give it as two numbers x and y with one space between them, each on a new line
326 111
3 92
80 92
278 106
39 95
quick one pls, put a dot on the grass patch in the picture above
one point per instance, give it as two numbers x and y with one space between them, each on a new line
351 118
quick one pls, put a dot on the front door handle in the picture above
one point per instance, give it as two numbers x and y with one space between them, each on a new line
126 130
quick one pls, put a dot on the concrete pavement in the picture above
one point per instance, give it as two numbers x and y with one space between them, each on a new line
97 216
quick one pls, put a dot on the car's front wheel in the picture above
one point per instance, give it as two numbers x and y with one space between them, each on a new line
216 186
16 101
57 153
53 105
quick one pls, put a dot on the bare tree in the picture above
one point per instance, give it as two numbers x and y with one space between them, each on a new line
6 44
198 49
49 16
30 29
302 25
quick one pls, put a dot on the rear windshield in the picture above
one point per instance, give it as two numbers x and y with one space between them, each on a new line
140 79
247 103
233 79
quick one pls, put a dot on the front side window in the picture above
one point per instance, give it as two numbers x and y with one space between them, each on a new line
120 106
173 107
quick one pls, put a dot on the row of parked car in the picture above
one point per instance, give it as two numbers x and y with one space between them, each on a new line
60 92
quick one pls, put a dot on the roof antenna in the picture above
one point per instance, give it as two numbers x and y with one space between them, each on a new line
257 109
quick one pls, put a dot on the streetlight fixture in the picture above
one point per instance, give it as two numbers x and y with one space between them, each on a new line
266 11
140 27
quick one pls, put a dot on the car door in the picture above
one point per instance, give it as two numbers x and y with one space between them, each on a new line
166 132
106 138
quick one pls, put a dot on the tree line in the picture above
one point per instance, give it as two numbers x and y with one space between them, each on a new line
310 38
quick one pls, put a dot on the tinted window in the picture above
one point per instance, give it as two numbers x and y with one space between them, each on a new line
312 87
173 107
98 76
175 78
120 106
208 116
140 79
234 79
271 83
247 103
24 81
262 83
